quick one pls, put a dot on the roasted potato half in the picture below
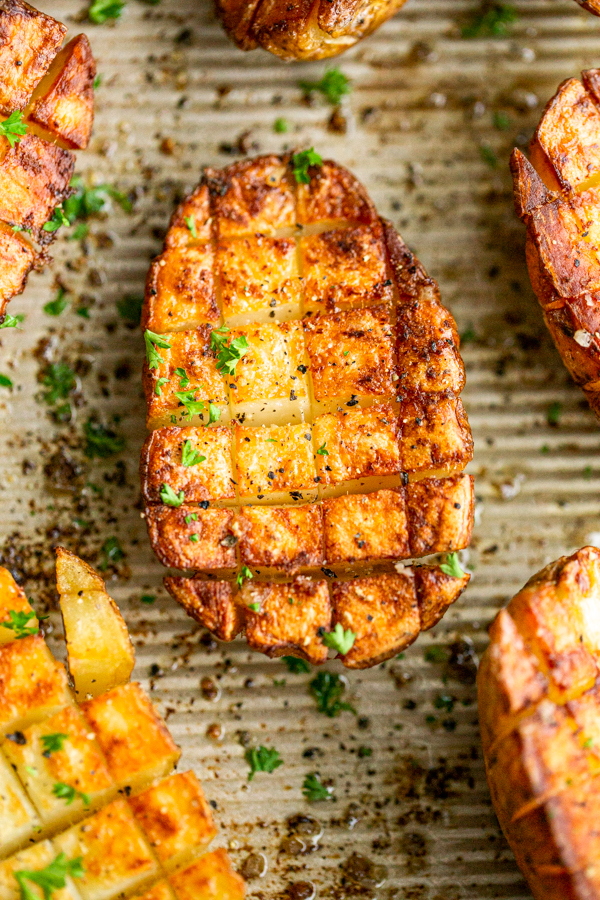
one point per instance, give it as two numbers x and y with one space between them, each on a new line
48 96
93 780
592 6
304 30
302 384
539 711
557 194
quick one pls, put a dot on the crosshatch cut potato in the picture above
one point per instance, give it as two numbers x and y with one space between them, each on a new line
51 93
311 426
539 712
303 30
557 195
87 788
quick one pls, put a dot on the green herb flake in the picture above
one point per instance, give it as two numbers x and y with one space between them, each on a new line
365 752
214 413
130 308
301 163
494 20
194 538
169 497
5 381
192 517
333 86
228 354
52 878
255 607
11 321
587 472
101 442
57 221
468 335
262 759
101 11
59 379
553 413
153 341
112 553
244 575
58 305
189 456
97 81
68 793
281 126
452 566
193 407
19 623
323 451
339 640
488 156
502 121
444 701
86 202
328 689
295 665
147 599
435 655
183 376
53 743
158 386
13 128
191 226
314 790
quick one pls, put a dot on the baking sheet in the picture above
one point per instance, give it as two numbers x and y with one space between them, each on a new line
177 95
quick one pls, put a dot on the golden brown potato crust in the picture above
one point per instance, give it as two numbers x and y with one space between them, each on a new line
592 6
303 30
341 439
539 709
557 196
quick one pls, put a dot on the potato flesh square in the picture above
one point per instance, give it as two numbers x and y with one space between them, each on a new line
274 461
209 878
427 348
212 603
258 279
16 260
284 618
135 741
192 538
12 599
284 538
33 859
351 357
255 198
198 379
176 819
78 764
115 854
440 513
181 290
29 41
366 526
33 685
160 891
333 196
192 217
435 435
345 269
162 463
17 814
270 383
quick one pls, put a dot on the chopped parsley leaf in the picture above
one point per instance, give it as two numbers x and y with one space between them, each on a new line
301 163
228 354
187 398
262 759
192 517
255 607
452 566
158 386
169 497
191 225
101 441
339 640
130 308
194 538
189 456
19 623
153 341
68 793
435 655
295 665
244 575
214 413
5 381
323 451
11 321
148 599
60 380
281 126
553 413
13 128
493 20
184 380
53 743
58 305
112 552
327 689
101 11
333 86
444 701
58 219
52 878
488 156
85 202
314 789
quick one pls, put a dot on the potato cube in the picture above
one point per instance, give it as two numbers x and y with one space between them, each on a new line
175 818
275 462
180 290
440 514
134 739
192 538
382 612
29 41
33 685
285 538
17 258
259 279
351 357
99 649
334 195
209 878
436 591
34 179
427 347
115 855
192 217
345 269
435 436
270 383
251 197
33 859
211 603
13 599
19 818
288 618
358 449
63 104
190 369
160 891
63 771
166 451
366 526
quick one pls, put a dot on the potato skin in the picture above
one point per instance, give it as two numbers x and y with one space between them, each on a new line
303 30
539 708
592 6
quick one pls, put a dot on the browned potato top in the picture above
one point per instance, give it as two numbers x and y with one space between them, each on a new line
539 711
303 30
334 445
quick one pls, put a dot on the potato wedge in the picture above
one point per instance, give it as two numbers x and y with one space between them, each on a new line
539 709
99 649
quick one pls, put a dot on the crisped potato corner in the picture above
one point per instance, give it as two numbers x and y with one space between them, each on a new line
539 710
313 430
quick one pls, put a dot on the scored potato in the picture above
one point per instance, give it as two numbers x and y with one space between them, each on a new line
333 446
539 711
303 30
99 649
